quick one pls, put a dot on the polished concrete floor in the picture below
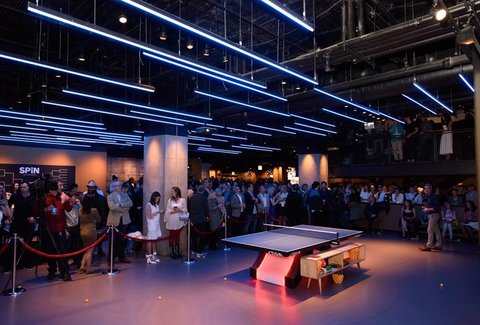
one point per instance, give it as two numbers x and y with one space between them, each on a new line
397 284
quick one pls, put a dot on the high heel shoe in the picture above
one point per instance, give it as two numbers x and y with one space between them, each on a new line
155 257
150 259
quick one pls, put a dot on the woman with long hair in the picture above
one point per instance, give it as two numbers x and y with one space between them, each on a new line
153 226
176 205
470 220
89 218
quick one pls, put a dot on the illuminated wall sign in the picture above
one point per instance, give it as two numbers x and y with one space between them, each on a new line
19 173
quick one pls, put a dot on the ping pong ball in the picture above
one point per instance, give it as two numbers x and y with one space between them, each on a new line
441 285
159 297
86 300
224 279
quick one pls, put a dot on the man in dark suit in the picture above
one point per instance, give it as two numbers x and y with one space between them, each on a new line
198 209
250 210
237 205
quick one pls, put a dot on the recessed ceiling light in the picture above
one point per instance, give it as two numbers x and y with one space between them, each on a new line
284 82
122 19
81 58
163 36
19 102
190 44
58 76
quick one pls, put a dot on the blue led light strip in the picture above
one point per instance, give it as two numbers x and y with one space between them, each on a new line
97 30
240 103
122 102
280 8
432 97
40 64
205 73
181 23
419 104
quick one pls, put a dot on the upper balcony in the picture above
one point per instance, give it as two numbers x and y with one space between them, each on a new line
370 155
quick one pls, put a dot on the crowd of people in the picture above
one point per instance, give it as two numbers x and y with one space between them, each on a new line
67 220
420 138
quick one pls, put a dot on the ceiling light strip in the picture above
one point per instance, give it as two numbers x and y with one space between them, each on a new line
467 83
166 117
312 120
419 104
315 128
362 107
29 141
249 131
252 148
80 108
233 152
271 129
193 137
205 73
50 66
343 115
199 145
97 30
290 14
122 102
432 97
49 117
240 103
229 136
181 23
305 131
21 127
260 147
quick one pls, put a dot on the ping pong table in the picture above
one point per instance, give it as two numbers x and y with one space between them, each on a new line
280 249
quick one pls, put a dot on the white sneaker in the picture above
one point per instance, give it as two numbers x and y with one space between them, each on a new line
155 257
150 259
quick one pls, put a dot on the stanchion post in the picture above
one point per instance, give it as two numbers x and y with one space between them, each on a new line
225 247
189 260
112 271
15 291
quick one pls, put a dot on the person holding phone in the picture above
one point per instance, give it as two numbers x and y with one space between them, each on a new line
175 206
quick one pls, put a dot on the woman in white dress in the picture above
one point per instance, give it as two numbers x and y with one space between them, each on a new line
176 205
446 141
153 226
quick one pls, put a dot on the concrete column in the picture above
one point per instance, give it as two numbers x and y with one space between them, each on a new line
476 103
312 167
165 166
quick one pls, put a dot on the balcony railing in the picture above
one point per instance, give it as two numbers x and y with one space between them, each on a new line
376 148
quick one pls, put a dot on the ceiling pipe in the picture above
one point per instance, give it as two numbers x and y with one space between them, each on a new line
360 17
446 63
350 19
434 79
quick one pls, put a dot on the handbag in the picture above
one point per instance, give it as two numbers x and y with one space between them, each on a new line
184 216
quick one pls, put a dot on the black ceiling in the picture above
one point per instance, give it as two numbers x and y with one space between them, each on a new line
400 42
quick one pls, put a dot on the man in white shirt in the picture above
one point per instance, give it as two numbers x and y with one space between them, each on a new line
397 197
413 196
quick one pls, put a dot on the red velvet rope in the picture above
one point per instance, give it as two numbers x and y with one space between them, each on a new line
83 250
258 216
4 247
141 239
206 233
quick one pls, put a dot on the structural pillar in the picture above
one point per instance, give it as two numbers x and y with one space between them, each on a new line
476 105
165 166
312 167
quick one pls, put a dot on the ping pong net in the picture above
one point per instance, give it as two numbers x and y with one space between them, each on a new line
323 235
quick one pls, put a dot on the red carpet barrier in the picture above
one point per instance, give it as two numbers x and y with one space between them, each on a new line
83 250
4 247
206 233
